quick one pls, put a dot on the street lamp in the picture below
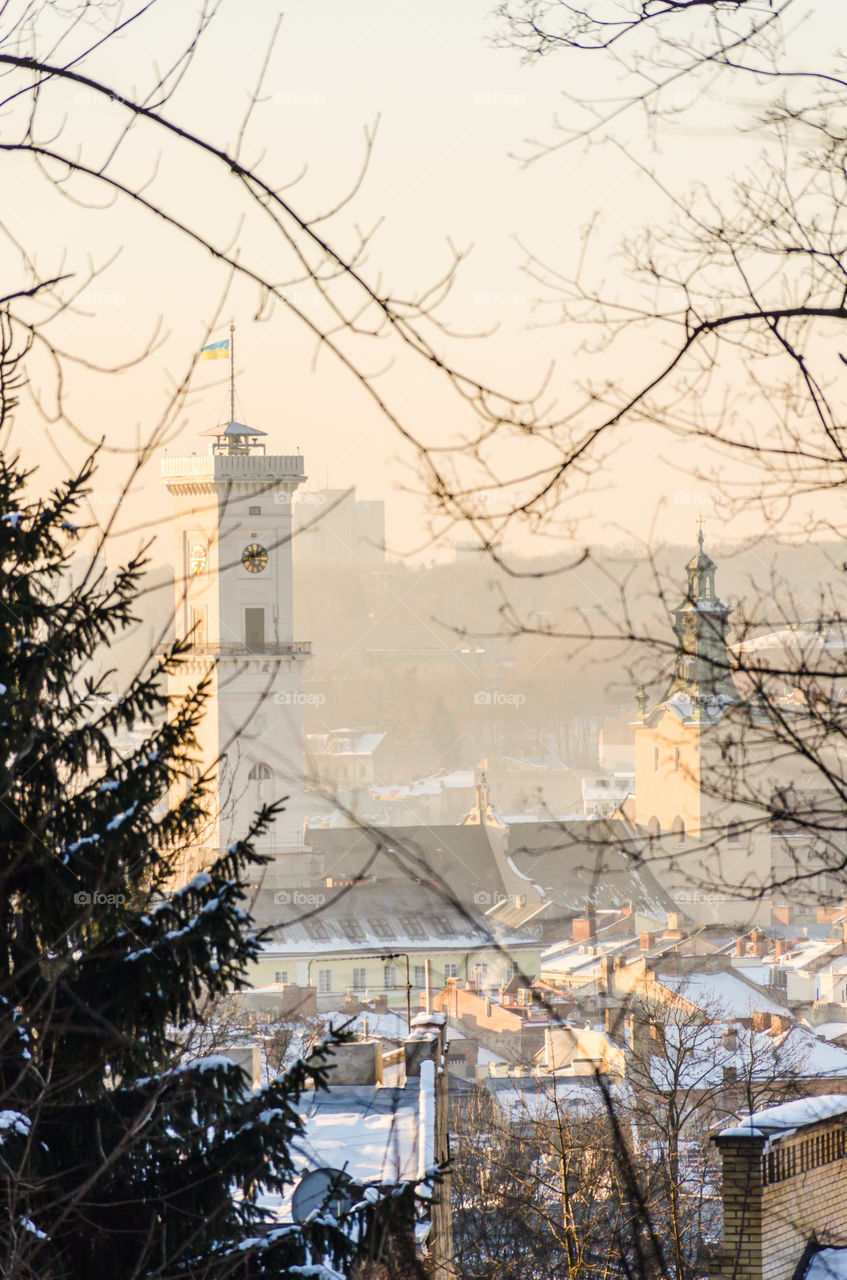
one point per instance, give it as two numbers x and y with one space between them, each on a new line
402 955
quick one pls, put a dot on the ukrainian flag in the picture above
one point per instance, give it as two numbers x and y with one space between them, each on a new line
215 350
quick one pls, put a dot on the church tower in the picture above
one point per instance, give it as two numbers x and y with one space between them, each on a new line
234 600
700 754
701 621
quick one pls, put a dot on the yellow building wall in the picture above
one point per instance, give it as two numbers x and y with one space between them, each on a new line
305 970
667 772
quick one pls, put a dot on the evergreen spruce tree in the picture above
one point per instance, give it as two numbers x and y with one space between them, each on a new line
119 1158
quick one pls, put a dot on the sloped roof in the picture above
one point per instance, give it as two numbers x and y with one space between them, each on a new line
460 856
590 862
380 916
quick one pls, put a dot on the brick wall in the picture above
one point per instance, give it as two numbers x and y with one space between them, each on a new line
780 1192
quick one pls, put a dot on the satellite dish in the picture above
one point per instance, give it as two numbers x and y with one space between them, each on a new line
322 1191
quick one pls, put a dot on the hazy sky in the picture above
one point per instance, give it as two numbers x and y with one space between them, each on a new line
456 116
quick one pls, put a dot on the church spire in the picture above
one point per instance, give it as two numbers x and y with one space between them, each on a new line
701 622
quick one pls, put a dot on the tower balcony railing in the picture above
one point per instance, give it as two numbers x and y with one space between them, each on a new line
240 648
246 466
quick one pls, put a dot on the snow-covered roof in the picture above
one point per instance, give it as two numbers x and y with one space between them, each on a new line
723 993
830 1030
376 917
372 1132
828 1264
544 1095
788 1116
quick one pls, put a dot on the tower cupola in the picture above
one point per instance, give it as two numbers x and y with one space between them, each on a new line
702 666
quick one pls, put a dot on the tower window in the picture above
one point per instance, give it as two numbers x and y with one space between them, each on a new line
678 830
260 772
254 630
198 628
654 829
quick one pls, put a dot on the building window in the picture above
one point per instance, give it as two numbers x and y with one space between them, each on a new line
655 759
442 926
382 928
198 628
324 981
316 929
412 927
255 511
678 830
360 979
419 975
733 833
676 760
353 929
451 971
389 977
281 976
254 630
260 773
512 970
654 829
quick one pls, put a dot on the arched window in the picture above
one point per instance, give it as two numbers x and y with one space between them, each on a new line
654 829
655 759
259 792
678 830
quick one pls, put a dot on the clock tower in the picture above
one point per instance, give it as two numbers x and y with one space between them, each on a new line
234 602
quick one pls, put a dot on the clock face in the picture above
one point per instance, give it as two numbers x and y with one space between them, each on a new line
254 558
197 558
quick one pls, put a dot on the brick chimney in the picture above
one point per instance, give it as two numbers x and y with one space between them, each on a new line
646 940
585 929
784 1187
760 943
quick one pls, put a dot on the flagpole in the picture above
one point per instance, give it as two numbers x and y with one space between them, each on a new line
232 372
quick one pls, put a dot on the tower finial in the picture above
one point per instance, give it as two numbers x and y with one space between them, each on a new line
700 522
